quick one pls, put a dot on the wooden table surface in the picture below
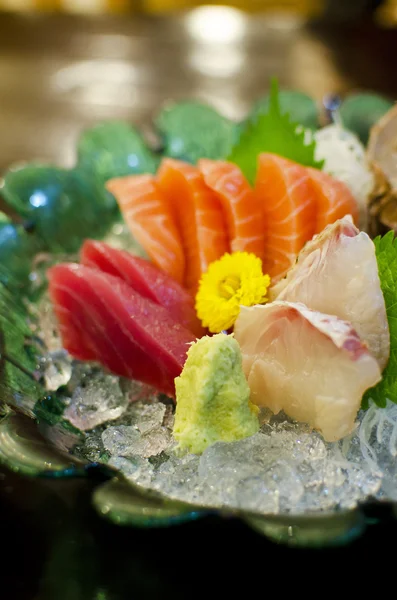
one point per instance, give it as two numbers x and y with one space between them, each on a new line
59 74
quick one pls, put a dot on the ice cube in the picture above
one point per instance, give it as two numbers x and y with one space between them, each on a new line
253 493
45 324
121 440
57 369
147 416
178 478
135 468
96 400
128 441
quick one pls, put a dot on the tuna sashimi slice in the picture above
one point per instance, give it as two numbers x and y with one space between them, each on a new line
115 326
146 279
337 273
313 366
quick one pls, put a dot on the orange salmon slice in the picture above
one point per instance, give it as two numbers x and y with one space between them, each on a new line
198 214
148 216
241 206
334 200
288 203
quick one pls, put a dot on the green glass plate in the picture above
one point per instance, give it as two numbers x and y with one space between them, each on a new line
42 202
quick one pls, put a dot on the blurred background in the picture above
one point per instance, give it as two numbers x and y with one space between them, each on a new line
307 8
65 64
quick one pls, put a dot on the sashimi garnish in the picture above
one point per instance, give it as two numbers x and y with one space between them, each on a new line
233 281
128 334
241 206
149 219
198 214
337 273
312 366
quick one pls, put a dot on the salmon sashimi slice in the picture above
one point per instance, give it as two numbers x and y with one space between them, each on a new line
118 328
334 200
288 203
241 206
146 279
149 219
199 216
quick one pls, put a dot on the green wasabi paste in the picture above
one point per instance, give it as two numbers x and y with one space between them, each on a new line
212 396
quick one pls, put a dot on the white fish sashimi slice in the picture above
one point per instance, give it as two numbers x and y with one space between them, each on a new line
313 366
337 273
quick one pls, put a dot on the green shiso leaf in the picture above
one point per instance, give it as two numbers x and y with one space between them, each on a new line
301 108
191 130
386 255
273 132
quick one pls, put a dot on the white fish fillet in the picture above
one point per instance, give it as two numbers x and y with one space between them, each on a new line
337 273
313 366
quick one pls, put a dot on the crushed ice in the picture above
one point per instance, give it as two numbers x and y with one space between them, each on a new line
285 467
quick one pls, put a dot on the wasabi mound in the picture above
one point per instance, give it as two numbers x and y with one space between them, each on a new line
212 396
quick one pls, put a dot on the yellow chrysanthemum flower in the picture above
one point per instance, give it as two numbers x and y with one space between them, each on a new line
232 281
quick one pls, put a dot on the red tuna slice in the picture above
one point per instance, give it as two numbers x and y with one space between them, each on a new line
77 316
146 279
128 334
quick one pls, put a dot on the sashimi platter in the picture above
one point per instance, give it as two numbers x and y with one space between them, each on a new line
210 319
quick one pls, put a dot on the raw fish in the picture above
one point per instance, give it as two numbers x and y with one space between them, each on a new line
241 206
337 273
334 200
101 318
146 279
312 366
149 219
288 203
198 214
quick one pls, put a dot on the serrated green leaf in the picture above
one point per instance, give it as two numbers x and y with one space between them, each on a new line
192 130
273 132
386 255
301 108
